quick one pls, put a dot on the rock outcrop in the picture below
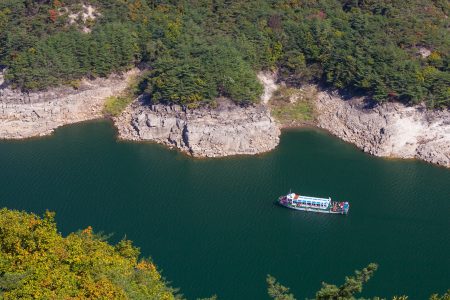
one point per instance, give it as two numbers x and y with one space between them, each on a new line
268 80
24 115
389 130
204 132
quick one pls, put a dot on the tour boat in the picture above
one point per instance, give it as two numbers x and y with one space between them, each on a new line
322 205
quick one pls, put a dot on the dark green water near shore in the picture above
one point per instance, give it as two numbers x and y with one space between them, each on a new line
211 225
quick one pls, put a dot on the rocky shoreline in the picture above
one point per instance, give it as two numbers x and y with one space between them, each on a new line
387 130
204 132
25 115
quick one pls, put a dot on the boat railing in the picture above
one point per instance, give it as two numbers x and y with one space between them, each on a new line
313 198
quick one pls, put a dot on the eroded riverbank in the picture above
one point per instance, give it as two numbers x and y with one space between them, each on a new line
387 130
25 115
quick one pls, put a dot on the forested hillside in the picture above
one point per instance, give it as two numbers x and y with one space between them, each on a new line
199 49
36 262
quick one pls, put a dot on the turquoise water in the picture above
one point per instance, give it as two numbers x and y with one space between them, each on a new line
212 226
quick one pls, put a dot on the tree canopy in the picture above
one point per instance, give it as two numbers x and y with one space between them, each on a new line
198 50
37 262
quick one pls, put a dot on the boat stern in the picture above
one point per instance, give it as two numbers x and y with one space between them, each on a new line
346 207
282 199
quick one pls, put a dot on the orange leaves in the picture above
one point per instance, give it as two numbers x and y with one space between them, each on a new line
53 15
146 265
87 231
57 3
33 222
137 11
102 288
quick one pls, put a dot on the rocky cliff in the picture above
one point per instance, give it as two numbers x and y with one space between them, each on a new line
24 115
389 130
204 132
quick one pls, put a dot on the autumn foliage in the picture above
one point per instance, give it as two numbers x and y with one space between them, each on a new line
53 15
37 262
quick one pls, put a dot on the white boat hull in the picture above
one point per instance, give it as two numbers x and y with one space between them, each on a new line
311 209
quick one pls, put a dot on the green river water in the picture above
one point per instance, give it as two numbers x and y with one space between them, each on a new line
212 226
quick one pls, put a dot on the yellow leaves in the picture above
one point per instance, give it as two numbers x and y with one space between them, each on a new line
126 249
5 11
78 266
4 18
163 8
33 222
49 216
338 34
134 9
428 72
174 29
137 11
146 265
434 56
103 289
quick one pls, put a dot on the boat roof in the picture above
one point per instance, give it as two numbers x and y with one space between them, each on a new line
299 197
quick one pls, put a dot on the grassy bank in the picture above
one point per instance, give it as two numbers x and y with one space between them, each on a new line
293 107
115 105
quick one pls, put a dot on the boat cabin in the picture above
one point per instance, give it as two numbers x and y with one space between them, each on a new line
313 202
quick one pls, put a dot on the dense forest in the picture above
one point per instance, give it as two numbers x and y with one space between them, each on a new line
197 50
37 262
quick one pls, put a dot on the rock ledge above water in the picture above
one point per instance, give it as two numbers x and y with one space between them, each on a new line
203 132
25 115
388 130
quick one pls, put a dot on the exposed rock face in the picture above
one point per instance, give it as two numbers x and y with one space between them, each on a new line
25 115
391 129
268 80
225 130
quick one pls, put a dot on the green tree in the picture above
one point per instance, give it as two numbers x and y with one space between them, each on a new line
352 285
369 47
277 291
